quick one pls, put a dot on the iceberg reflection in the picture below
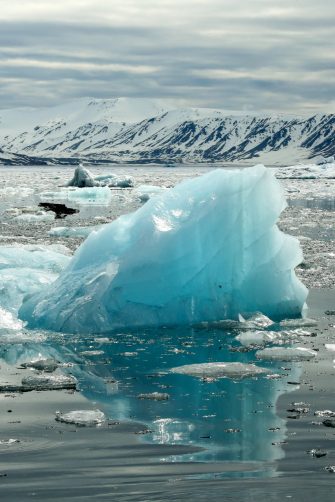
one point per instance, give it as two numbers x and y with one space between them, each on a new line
232 420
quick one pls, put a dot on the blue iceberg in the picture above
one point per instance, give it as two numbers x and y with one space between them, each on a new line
207 249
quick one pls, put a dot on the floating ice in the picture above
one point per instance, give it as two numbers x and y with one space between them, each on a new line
220 370
250 338
330 346
145 192
154 396
41 382
79 232
206 249
82 196
34 218
49 382
82 178
325 413
286 354
298 323
82 417
48 365
113 181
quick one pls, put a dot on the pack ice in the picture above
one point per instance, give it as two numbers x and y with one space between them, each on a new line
207 249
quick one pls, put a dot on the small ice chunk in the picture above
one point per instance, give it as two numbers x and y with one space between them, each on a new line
82 178
286 354
34 218
256 320
91 352
87 418
220 370
298 323
8 442
317 453
330 346
47 365
113 181
325 413
79 232
82 196
250 338
145 192
125 182
49 382
154 396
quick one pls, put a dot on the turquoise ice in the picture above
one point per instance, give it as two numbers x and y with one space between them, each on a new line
208 249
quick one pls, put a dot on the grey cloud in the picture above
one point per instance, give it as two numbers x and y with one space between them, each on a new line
276 61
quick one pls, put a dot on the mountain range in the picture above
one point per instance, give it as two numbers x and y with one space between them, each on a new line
152 131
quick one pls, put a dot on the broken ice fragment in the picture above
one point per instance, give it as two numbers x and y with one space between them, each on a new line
87 418
286 354
47 365
298 323
8 442
145 192
154 396
220 370
49 382
324 413
255 321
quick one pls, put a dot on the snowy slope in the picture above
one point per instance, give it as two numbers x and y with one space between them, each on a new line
140 130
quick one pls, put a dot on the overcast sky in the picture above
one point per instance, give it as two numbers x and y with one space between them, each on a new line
233 54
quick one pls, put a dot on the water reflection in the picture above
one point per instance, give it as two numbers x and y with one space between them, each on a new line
232 420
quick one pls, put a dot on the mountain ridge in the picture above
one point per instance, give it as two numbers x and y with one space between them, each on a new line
145 130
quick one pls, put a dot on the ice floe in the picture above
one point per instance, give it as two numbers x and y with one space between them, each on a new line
41 382
81 196
220 370
154 396
286 354
78 232
86 418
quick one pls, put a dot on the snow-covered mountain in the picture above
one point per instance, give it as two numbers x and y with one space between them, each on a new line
143 130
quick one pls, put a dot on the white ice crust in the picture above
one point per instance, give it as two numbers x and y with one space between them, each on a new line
286 354
220 370
205 250
82 417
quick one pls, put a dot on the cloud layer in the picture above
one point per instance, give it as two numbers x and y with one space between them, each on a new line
232 54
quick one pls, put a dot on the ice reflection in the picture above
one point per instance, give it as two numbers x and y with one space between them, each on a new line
232 420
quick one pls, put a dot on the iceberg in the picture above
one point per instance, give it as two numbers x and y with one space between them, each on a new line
82 178
206 250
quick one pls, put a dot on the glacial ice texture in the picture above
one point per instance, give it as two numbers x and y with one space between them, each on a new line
206 250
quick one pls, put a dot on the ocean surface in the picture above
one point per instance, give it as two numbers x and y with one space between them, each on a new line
198 438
